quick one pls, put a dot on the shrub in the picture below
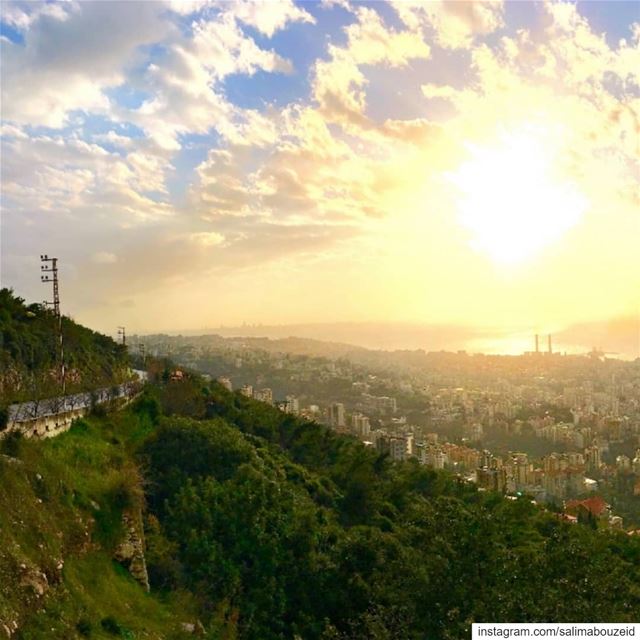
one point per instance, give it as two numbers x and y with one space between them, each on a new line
111 625
148 405
4 417
11 444
84 627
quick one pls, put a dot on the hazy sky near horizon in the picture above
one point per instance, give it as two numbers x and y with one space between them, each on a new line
198 163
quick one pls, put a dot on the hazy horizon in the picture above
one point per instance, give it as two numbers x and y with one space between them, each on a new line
620 339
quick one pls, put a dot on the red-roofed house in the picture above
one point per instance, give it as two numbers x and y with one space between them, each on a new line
595 506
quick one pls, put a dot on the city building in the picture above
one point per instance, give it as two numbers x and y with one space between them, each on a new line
360 424
264 395
336 416
292 405
491 479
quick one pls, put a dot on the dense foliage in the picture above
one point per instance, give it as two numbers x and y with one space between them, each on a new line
29 357
283 528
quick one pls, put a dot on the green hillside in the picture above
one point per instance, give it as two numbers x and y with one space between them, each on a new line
261 526
29 360
61 506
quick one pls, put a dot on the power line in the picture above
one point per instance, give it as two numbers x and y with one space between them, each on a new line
49 273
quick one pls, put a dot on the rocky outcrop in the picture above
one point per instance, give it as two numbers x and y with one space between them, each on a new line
194 628
130 552
33 584
8 628
33 580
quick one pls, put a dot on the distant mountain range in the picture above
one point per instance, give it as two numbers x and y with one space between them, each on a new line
619 336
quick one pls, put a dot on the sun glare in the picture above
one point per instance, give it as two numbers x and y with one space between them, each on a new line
510 199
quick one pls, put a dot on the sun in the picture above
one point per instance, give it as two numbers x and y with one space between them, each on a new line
510 197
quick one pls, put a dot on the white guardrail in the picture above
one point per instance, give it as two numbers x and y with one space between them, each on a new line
49 407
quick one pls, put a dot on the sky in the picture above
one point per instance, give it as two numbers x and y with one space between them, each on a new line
194 164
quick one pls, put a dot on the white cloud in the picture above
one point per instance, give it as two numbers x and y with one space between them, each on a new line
115 139
73 177
11 131
104 257
184 88
207 238
339 83
455 23
21 15
187 7
222 48
308 176
65 64
267 17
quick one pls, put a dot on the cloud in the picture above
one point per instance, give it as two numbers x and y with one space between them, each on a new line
10 131
70 176
268 17
186 97
104 257
117 140
165 256
308 176
131 133
455 24
188 7
73 53
20 15
620 336
70 55
207 238
369 41
339 83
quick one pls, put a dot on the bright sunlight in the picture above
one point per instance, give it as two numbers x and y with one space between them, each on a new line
511 199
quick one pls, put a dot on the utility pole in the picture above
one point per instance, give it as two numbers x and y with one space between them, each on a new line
122 335
49 273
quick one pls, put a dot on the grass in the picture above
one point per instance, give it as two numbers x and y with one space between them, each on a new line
98 599
61 505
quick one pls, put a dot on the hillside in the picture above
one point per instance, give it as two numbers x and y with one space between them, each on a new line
61 507
290 345
262 526
29 353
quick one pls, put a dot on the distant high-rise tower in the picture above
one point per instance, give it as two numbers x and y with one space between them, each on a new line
537 344
549 344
